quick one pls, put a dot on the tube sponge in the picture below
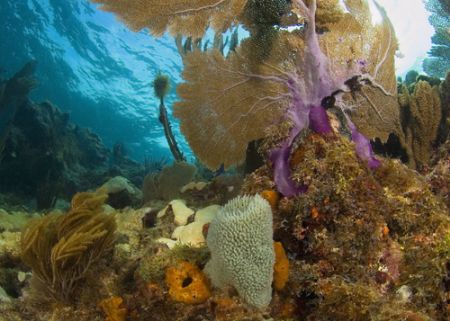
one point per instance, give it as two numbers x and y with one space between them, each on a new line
242 253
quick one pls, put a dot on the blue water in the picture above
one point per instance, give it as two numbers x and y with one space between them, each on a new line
91 65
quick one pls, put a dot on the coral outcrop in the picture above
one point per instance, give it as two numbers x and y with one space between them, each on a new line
13 95
43 155
361 237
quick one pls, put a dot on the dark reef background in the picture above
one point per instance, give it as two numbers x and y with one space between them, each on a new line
93 67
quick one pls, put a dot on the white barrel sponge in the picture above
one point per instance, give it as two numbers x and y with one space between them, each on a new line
241 245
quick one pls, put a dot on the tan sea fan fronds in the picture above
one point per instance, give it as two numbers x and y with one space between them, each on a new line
328 12
355 45
228 102
187 17
61 248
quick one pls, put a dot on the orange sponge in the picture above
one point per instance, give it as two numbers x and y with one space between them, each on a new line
187 283
272 197
281 267
113 309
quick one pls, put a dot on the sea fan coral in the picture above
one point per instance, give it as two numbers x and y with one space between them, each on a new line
228 102
302 69
376 112
233 100
438 62
190 18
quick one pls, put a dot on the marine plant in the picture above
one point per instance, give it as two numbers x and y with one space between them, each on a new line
161 87
61 248
347 62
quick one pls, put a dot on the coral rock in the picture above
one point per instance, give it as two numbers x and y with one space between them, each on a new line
121 192
181 212
169 242
206 215
191 234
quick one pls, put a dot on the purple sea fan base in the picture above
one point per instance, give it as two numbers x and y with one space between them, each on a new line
306 110
298 113
319 121
363 147
282 172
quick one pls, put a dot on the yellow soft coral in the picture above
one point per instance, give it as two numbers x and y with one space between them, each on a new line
187 283
113 309
60 249
281 267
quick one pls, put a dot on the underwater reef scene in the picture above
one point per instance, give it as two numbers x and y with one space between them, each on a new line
319 192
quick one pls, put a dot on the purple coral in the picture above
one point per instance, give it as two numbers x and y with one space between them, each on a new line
305 110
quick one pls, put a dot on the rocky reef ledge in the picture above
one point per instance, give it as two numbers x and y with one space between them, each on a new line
44 156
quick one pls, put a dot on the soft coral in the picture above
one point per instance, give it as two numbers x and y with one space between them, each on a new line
306 108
